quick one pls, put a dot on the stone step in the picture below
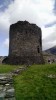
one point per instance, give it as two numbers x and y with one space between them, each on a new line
7 90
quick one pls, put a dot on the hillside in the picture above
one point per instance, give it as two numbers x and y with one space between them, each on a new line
51 50
38 82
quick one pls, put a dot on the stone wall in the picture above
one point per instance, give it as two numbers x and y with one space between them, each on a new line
50 57
25 43
1 59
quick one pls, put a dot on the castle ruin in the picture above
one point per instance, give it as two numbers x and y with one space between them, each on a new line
25 44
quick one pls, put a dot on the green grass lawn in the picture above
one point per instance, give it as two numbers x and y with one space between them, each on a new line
7 68
34 83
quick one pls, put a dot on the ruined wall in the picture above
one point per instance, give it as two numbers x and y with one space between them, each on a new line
25 44
2 58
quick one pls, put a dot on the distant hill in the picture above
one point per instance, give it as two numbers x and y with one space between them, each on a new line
51 50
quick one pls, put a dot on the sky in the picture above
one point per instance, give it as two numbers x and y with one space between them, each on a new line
40 12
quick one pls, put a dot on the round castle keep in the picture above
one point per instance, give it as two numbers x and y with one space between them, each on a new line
25 44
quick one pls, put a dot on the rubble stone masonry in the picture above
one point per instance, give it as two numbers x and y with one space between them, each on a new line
25 44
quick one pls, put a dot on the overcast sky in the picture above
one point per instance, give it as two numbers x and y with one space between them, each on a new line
40 12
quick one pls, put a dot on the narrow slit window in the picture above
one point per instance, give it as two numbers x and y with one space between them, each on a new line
26 32
40 40
38 49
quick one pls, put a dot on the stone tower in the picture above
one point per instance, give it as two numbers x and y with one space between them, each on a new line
25 44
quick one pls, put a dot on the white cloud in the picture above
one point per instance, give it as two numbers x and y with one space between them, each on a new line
34 11
48 44
46 32
4 23
22 10
39 12
49 40
6 43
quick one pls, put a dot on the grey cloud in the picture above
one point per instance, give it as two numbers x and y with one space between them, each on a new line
54 7
4 4
51 37
50 24
24 10
49 41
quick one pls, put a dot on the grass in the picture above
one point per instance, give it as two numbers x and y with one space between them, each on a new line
34 83
7 68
